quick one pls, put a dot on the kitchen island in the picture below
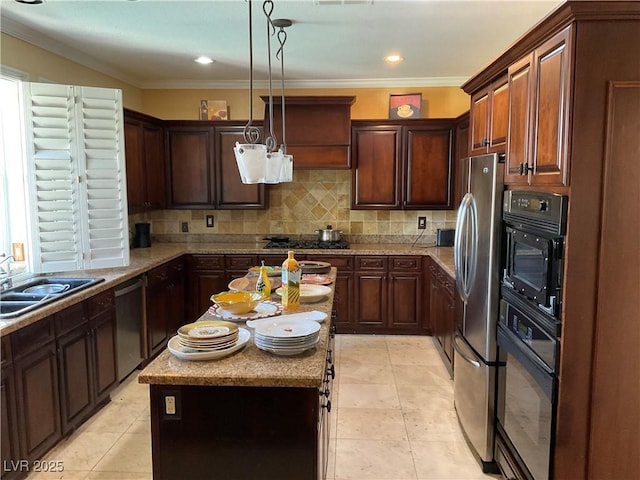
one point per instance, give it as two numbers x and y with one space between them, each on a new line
251 415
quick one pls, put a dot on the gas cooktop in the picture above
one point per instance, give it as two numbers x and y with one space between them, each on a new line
309 244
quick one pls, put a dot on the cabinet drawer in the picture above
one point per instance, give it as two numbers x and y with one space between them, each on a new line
70 318
371 263
240 261
406 264
208 262
32 337
101 302
342 262
157 276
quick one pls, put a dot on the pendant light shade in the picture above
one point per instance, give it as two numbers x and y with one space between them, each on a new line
261 162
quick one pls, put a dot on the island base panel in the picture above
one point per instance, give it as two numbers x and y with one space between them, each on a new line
235 433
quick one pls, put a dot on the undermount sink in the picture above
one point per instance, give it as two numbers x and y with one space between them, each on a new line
40 291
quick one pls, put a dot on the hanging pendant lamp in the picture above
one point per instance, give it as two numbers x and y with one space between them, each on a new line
261 162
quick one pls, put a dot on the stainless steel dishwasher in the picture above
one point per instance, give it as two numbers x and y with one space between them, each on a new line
129 326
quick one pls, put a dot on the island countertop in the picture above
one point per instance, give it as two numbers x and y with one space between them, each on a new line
250 367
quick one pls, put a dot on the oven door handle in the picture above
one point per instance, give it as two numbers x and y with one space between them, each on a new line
466 236
471 361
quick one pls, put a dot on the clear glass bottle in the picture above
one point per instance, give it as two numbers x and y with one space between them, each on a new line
263 285
291 283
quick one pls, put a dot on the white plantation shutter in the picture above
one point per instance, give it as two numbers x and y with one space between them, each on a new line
76 165
103 172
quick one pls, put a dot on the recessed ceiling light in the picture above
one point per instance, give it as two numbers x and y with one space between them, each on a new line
393 58
204 60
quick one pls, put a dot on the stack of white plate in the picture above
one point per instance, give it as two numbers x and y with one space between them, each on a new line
286 337
207 340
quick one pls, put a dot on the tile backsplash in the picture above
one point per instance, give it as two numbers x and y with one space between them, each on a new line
315 199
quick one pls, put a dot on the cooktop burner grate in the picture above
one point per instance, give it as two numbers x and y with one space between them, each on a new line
309 244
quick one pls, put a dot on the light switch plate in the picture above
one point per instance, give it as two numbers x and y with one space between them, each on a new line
185 226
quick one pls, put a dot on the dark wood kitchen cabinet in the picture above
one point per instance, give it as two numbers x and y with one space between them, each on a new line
87 360
317 128
539 114
461 152
489 118
202 169
145 162
9 441
205 276
442 311
165 302
37 388
405 299
402 164
343 291
371 295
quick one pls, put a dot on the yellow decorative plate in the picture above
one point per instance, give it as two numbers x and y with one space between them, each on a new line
207 329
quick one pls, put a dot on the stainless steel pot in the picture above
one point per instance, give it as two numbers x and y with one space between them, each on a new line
329 234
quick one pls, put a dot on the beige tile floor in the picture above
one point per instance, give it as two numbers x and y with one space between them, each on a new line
394 421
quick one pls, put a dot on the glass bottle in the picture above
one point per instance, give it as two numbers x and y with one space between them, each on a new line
263 285
290 283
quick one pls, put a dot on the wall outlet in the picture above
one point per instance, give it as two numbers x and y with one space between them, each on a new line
209 221
170 405
422 223
184 226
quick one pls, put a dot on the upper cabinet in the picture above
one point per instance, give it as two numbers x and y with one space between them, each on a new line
539 86
402 164
489 118
144 150
318 130
201 167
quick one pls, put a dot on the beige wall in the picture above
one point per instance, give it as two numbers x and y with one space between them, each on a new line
42 65
183 104
437 102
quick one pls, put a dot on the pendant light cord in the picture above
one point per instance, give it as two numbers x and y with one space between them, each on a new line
251 133
282 39
271 141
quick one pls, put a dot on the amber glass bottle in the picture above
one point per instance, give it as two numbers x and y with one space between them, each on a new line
290 283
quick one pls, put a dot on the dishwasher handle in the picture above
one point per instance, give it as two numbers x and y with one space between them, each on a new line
129 288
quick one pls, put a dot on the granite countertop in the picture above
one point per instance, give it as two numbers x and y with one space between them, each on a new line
249 367
144 259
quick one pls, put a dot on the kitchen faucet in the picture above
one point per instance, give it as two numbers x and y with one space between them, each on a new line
6 280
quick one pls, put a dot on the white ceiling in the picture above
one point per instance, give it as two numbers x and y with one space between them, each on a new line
332 43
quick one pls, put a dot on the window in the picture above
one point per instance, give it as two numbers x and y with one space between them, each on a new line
75 208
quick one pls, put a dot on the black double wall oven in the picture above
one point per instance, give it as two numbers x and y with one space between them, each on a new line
529 329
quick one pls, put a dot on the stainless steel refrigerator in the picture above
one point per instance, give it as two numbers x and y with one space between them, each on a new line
477 252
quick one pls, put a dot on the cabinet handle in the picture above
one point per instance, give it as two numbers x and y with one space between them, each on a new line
332 372
484 142
327 406
524 168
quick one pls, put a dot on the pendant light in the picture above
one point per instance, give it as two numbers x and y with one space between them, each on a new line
261 162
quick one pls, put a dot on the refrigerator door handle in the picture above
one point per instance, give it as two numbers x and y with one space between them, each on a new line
467 226
471 361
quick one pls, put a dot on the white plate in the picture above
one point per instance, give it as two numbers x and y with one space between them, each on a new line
206 330
310 293
179 351
313 315
287 352
264 309
287 328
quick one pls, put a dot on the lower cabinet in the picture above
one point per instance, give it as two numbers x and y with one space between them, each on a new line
164 300
205 276
55 374
442 311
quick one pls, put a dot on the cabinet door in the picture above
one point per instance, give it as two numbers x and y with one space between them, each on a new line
38 401
76 379
190 160
551 110
499 115
461 152
154 164
371 299
133 140
376 177
518 147
9 442
405 302
230 191
428 179
104 335
479 121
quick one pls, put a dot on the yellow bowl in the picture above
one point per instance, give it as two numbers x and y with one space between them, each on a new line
237 303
